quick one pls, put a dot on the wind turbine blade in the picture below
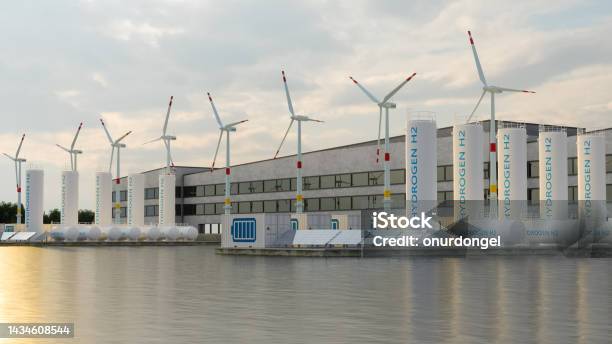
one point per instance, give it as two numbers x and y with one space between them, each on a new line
122 137
110 139
19 147
76 136
167 116
215 111
476 107
64 148
236 123
314 120
289 103
514 90
8 156
110 167
154 140
217 150
379 128
478 66
392 93
284 137
370 95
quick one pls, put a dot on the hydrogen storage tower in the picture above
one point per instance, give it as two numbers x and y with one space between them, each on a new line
512 172
104 201
34 200
70 198
421 152
468 172
552 150
135 200
591 148
167 184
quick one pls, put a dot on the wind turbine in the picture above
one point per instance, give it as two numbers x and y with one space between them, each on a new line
166 138
73 152
228 128
492 131
299 198
116 144
18 162
384 104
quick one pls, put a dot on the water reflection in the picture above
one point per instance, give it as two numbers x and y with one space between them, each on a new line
191 295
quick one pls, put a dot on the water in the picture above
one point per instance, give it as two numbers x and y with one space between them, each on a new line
190 295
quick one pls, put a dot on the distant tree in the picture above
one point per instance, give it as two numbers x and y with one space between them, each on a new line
8 212
54 216
86 216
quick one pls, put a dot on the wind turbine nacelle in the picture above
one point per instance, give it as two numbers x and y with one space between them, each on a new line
77 151
389 105
492 89
168 137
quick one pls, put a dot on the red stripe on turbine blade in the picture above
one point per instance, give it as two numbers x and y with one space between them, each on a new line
227 171
299 164
387 157
492 148
471 39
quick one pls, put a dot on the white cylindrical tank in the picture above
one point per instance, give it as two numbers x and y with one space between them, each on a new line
133 233
421 164
57 232
167 184
152 233
171 233
114 233
34 200
70 198
512 171
552 149
71 233
135 200
104 199
591 167
188 233
468 170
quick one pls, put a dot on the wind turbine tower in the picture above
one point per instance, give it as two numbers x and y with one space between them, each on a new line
492 131
18 161
384 104
299 198
227 129
116 145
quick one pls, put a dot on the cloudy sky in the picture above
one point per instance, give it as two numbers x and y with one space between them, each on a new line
63 62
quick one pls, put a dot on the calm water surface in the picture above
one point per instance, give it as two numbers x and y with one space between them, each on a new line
190 295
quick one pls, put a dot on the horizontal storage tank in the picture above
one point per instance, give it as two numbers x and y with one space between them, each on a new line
70 198
167 184
421 163
94 234
104 199
133 233
512 171
552 149
170 233
34 200
114 233
468 170
135 200
187 233
151 233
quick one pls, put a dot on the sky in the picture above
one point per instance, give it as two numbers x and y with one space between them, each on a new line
66 62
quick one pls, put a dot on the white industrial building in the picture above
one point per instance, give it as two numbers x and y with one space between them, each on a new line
339 180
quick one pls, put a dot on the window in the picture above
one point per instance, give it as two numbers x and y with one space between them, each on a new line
343 180
311 204
609 191
151 210
233 188
533 170
608 163
209 190
209 209
328 203
151 193
398 177
311 183
283 185
572 193
441 174
219 189
257 206
448 172
328 182
284 206
343 203
360 179
486 170
269 206
398 201
293 182
219 208
533 195
244 188
360 202
376 178
122 212
189 209
257 187
200 191
244 207
200 209
189 191
178 192
376 202
572 167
